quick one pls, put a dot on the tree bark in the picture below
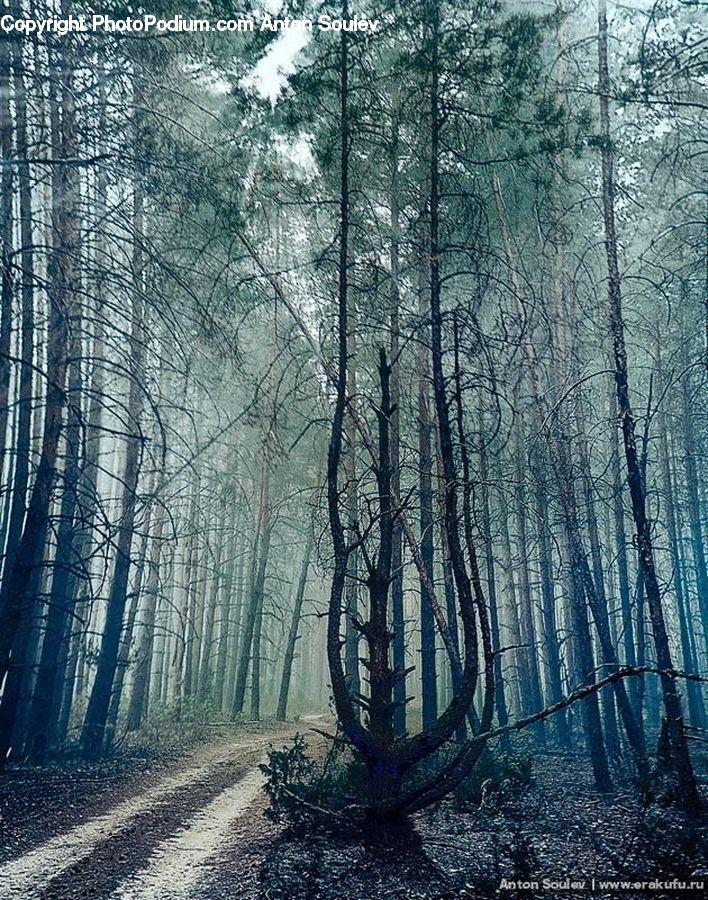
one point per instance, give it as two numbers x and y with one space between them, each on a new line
293 635
146 640
674 750
261 549
428 667
24 558
93 732
397 609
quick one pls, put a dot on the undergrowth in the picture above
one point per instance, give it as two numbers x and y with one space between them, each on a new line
307 792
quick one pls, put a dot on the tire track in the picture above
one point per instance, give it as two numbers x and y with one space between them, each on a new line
177 865
106 848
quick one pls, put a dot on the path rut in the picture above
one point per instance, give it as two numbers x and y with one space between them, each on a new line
158 844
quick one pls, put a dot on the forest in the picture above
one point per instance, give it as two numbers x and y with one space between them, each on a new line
353 450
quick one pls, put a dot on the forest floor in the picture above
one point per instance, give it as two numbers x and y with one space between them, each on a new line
140 825
190 826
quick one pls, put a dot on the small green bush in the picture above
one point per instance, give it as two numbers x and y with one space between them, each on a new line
494 777
306 792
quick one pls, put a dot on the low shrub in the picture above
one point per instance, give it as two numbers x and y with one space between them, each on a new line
307 792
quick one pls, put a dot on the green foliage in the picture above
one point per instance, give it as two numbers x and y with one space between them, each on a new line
306 792
496 776
191 709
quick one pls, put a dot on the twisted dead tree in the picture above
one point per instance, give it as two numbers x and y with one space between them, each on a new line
388 760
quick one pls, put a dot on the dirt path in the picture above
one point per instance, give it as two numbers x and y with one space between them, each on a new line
159 842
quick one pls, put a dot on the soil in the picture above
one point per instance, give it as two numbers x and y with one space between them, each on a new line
190 825
557 829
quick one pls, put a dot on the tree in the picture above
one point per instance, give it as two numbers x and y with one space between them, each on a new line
673 751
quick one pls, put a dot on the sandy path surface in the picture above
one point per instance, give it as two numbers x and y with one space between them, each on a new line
178 863
158 842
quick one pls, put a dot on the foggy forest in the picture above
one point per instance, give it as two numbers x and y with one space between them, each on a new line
353 455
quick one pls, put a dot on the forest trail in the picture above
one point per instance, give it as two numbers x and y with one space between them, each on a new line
162 840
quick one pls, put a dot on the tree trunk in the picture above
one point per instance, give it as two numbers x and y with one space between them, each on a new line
528 630
7 287
182 611
236 610
61 600
226 610
128 635
24 558
486 527
193 587
584 673
351 635
696 706
261 550
92 737
554 686
144 650
206 692
630 650
293 633
674 750
520 678
397 609
695 518
17 500
256 659
428 666
607 651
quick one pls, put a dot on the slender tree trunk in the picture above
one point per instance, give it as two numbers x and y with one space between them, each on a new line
236 607
584 673
695 519
15 504
520 678
607 651
61 600
146 640
428 664
696 704
24 558
158 689
397 608
128 635
552 658
673 748
7 286
293 633
80 578
193 588
351 635
17 501
630 650
528 630
182 610
486 527
92 737
226 611
256 660
261 551
206 692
